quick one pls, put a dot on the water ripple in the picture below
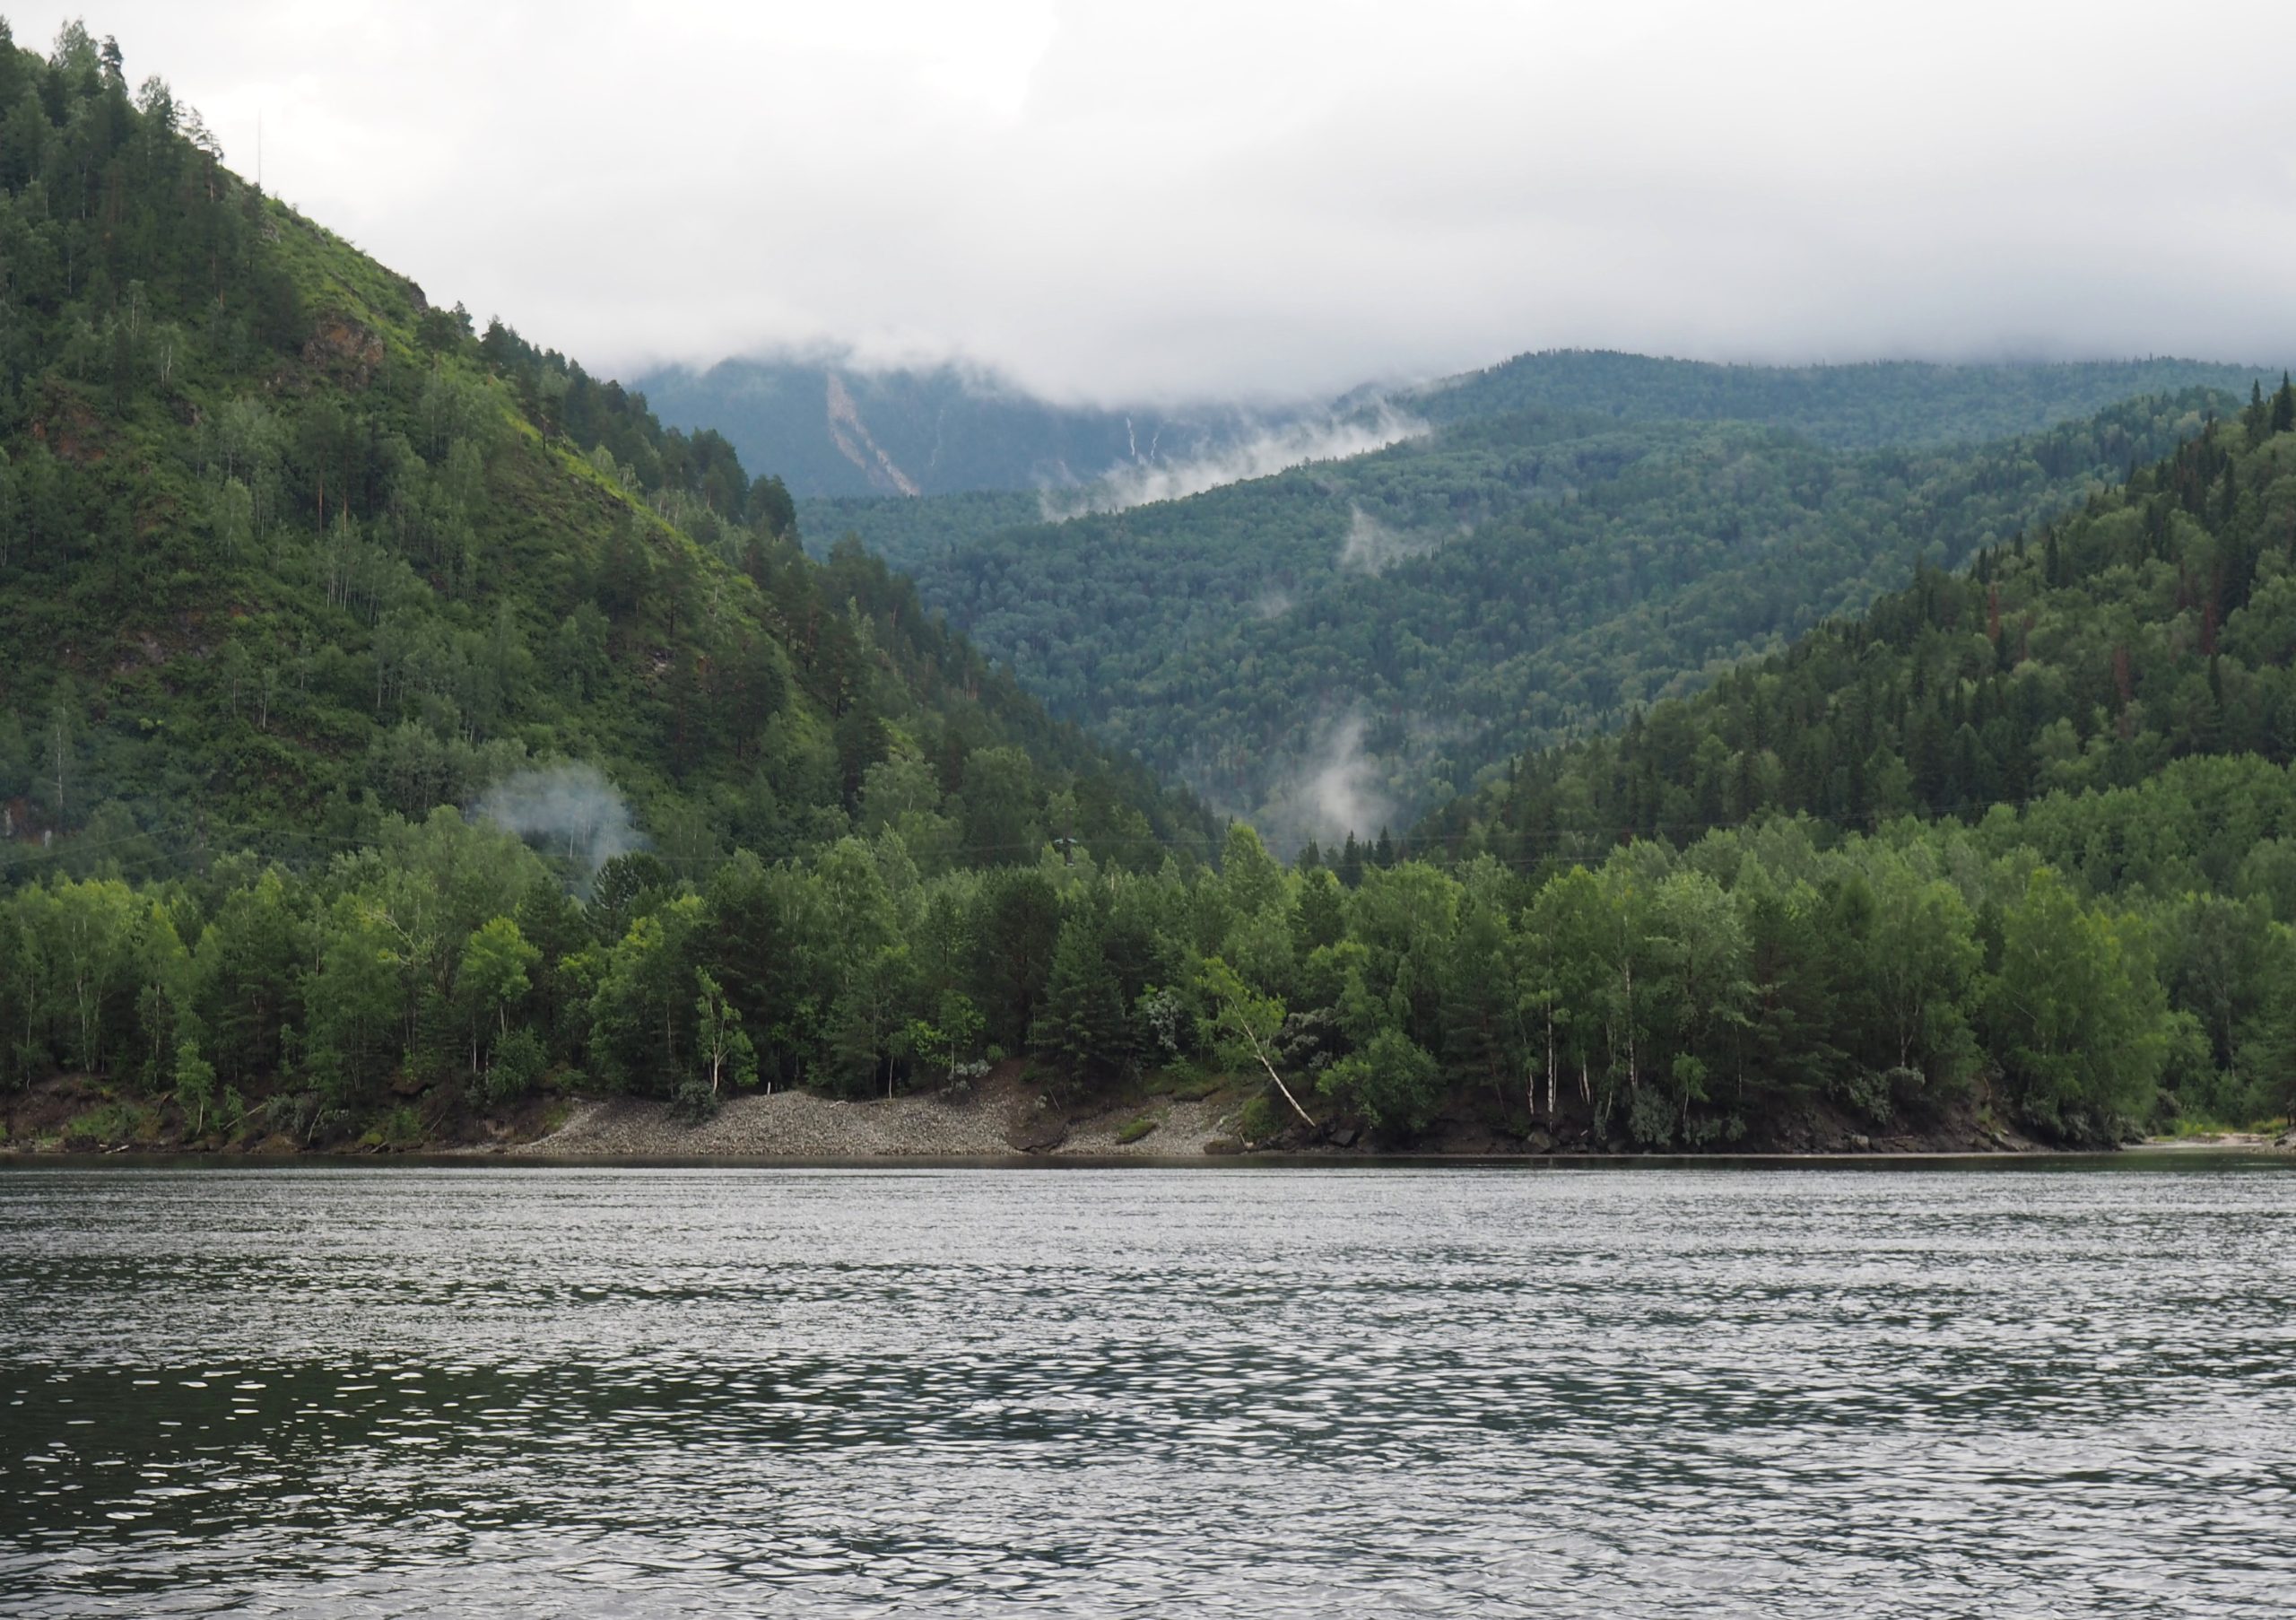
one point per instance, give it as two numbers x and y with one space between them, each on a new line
394 1392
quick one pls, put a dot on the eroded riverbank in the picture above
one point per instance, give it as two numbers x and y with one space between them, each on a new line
799 1126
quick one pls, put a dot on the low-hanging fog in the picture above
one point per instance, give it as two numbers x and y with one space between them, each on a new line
1329 789
1292 444
1280 201
568 810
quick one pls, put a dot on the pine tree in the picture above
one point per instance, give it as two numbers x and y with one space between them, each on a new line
1083 1021
623 573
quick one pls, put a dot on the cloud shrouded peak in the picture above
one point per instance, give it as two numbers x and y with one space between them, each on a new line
1140 202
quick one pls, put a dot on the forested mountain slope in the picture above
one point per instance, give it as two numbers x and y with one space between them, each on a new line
2156 623
1354 641
333 635
2041 814
908 533
285 549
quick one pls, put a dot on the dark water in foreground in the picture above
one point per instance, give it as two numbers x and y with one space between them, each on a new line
1148 1392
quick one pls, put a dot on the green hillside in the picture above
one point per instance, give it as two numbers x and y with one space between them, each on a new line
2081 747
907 532
285 548
342 640
1409 618
2151 624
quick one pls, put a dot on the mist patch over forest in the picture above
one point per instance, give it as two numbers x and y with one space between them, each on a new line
1507 580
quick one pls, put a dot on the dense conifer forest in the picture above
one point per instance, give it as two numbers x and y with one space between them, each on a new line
1410 618
301 550
400 728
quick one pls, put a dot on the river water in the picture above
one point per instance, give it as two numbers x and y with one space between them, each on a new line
1241 1391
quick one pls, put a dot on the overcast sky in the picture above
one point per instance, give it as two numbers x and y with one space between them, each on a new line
1160 199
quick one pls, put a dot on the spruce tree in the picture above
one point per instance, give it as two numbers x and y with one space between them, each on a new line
1082 1022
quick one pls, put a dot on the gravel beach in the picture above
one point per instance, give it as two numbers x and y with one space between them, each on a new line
994 1123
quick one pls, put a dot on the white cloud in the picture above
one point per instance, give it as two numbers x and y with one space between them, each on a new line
1372 548
1330 790
1291 444
1284 198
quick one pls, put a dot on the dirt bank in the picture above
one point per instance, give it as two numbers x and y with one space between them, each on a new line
2220 1141
995 1121
1007 1117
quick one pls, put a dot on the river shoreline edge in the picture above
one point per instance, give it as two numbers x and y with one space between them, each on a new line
1013 1127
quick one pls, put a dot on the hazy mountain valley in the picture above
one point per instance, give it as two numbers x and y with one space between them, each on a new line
406 738
1427 809
1345 646
834 429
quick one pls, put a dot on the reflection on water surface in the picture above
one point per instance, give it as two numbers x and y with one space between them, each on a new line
1411 1392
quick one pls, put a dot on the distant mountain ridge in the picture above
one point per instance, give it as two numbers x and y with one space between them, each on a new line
837 430
842 432
1871 405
